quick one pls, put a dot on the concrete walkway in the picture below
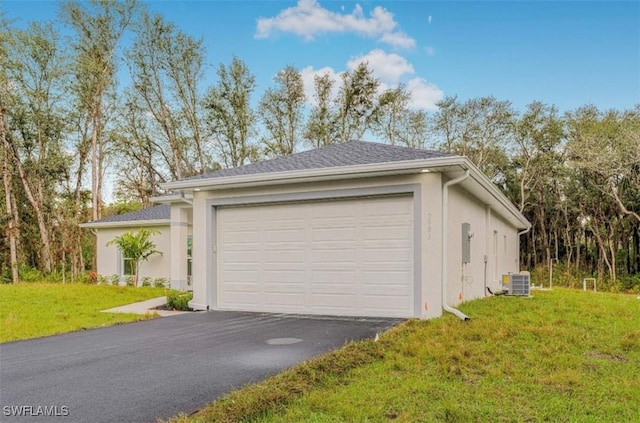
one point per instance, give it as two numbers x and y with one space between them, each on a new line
145 307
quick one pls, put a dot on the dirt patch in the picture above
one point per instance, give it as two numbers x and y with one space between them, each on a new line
618 358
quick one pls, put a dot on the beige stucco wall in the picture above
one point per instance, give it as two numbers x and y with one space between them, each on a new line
467 281
158 266
181 229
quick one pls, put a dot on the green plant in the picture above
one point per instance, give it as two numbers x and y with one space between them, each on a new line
29 274
137 247
31 310
179 300
115 280
102 280
146 281
161 283
575 352
129 281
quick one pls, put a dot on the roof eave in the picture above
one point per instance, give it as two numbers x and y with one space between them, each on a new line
126 224
309 175
448 165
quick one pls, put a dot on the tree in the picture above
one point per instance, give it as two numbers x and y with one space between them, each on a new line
393 106
33 130
356 102
166 68
10 209
230 119
99 25
281 112
321 127
136 247
413 129
479 129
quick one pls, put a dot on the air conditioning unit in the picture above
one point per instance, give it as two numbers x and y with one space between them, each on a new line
517 284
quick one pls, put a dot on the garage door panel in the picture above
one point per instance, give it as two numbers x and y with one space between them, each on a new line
284 256
240 257
333 234
345 257
242 299
343 302
335 276
283 276
241 275
393 232
336 255
284 236
285 299
388 278
390 206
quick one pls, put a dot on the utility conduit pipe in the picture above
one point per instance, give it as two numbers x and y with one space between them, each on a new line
445 244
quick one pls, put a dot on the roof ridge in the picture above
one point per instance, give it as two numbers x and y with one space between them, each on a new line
339 154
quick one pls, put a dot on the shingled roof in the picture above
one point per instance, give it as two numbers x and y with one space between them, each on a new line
160 212
349 153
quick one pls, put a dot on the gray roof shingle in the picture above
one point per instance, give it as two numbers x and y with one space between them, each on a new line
349 153
160 212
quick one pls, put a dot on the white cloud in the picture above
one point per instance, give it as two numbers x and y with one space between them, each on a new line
430 50
429 19
424 95
391 69
398 39
308 19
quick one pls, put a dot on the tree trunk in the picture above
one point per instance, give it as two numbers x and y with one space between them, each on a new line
12 231
45 252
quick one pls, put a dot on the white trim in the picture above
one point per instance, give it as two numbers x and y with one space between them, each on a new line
450 165
308 175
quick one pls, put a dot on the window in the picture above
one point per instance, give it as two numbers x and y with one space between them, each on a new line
125 265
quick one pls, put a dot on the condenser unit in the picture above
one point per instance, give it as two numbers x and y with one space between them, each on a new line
517 284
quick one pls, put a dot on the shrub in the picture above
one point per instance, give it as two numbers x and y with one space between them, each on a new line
102 280
29 274
93 277
146 281
82 278
179 300
129 280
161 283
115 280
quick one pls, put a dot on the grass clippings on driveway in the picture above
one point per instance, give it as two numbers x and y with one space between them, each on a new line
563 355
32 310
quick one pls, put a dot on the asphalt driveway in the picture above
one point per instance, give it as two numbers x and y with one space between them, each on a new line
142 371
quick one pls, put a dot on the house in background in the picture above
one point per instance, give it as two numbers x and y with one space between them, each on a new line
354 229
109 259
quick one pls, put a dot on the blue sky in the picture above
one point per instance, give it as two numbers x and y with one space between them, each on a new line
567 53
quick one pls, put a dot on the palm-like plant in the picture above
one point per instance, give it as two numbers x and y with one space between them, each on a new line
137 247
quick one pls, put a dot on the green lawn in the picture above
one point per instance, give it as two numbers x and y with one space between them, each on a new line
33 310
560 356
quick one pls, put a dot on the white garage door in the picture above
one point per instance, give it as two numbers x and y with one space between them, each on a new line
341 257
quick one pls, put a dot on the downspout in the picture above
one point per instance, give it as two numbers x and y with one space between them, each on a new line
445 244
185 199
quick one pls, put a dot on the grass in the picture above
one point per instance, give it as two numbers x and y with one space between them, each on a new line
39 309
562 355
